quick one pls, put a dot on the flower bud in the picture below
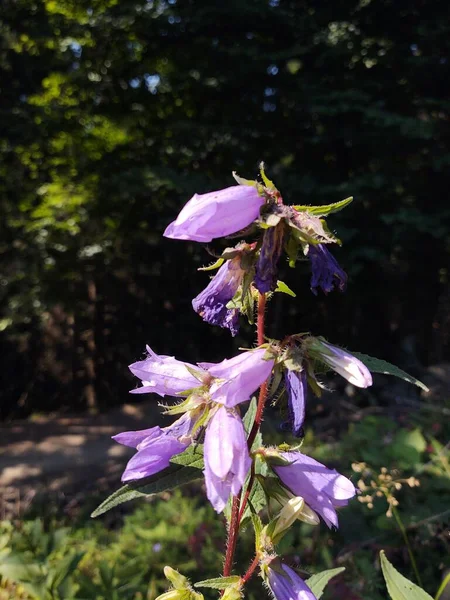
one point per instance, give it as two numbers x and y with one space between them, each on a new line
178 580
294 509
233 592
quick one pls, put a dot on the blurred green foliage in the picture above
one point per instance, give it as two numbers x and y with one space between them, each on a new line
115 113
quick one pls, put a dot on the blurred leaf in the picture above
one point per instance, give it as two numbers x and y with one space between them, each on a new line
318 581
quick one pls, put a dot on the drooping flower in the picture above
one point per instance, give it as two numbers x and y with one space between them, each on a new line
216 214
211 303
286 584
326 272
296 386
238 377
227 460
163 375
267 264
323 489
341 361
155 447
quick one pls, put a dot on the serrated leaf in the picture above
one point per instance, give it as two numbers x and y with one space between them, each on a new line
219 583
325 209
318 582
399 587
285 289
377 365
179 473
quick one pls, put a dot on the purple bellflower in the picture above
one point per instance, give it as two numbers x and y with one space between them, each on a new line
267 264
326 272
216 214
285 584
211 303
238 377
323 489
341 361
227 460
296 387
163 375
155 447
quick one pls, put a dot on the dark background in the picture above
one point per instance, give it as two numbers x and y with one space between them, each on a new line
115 112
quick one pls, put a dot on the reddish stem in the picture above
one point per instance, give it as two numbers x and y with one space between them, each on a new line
250 570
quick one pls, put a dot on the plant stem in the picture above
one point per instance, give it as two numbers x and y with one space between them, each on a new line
250 570
237 510
442 587
408 545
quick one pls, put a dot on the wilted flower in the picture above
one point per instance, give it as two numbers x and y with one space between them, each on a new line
238 377
326 272
211 304
285 584
323 489
155 447
163 375
227 460
267 264
341 361
296 386
216 214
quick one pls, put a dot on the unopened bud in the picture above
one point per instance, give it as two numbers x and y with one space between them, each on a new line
233 592
178 580
295 509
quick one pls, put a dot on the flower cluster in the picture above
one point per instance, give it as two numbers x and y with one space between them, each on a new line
210 395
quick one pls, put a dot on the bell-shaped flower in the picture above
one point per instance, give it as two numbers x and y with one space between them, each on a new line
227 460
285 584
269 255
326 272
296 387
216 214
155 447
323 489
341 361
163 375
211 303
238 377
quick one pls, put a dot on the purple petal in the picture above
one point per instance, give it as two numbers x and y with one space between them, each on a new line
153 458
267 264
211 304
296 386
241 375
288 585
216 214
326 272
344 363
134 438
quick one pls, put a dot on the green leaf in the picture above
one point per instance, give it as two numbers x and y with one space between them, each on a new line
219 262
185 467
318 582
399 587
282 287
219 583
377 365
64 569
326 209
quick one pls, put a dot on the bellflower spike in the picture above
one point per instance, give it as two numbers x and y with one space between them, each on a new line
216 214
341 361
227 460
296 386
163 375
326 272
323 489
211 304
238 377
267 264
285 584
155 447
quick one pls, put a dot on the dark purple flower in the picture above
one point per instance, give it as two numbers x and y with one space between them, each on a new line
323 489
211 304
227 460
267 264
326 272
238 377
296 386
286 584
155 447
216 214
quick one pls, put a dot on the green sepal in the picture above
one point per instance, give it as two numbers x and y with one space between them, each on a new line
294 360
198 374
399 587
335 239
277 376
377 365
257 527
219 262
184 406
285 289
292 248
219 583
242 181
325 209
318 582
267 182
